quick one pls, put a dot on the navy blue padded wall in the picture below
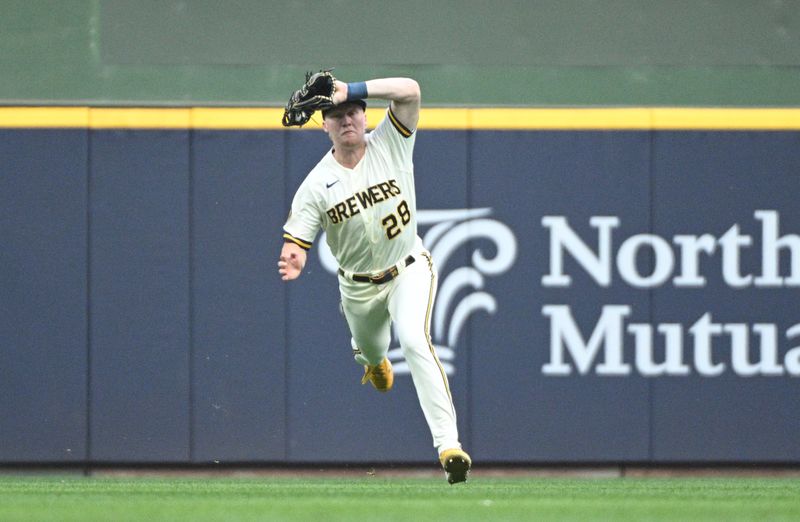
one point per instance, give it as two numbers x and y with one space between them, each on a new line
239 311
705 183
43 364
199 353
139 296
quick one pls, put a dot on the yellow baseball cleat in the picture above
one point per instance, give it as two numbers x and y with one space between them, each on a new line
456 464
381 375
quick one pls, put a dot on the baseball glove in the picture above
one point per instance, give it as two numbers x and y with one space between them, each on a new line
316 94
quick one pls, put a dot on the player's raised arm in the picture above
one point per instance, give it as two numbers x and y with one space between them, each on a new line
404 94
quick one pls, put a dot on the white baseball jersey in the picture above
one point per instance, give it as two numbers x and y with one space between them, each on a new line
369 212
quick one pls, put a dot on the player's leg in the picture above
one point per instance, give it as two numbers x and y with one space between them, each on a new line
369 323
365 310
411 305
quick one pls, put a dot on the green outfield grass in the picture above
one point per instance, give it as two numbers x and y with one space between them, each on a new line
386 499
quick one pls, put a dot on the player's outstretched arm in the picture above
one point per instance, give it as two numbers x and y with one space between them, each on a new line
404 93
291 261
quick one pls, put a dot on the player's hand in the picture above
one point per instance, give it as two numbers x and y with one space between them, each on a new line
291 261
289 267
340 94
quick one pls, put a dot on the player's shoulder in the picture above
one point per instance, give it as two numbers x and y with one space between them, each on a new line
392 130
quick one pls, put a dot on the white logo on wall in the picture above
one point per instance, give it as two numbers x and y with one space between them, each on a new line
450 232
708 348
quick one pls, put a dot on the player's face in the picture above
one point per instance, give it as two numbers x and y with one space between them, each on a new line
346 126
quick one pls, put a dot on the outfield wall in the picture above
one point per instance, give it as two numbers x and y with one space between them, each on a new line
616 286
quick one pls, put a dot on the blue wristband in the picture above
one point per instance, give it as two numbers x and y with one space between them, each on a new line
356 91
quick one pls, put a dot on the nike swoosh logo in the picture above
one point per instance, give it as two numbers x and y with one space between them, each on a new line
329 185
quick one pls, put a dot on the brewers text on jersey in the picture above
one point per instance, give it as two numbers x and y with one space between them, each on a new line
365 198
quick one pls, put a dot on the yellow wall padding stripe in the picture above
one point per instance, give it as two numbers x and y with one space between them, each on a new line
140 118
632 118
238 118
559 119
51 117
724 119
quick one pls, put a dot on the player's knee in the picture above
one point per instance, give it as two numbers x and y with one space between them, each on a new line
415 344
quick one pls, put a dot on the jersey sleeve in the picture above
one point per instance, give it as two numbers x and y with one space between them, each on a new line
397 138
304 219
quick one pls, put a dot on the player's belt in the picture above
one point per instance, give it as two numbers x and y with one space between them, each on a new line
381 278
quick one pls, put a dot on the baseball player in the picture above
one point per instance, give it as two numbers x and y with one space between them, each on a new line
362 194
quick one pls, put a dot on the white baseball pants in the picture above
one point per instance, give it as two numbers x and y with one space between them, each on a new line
408 301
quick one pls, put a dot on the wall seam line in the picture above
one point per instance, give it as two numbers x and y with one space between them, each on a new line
286 317
191 296
88 224
650 292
